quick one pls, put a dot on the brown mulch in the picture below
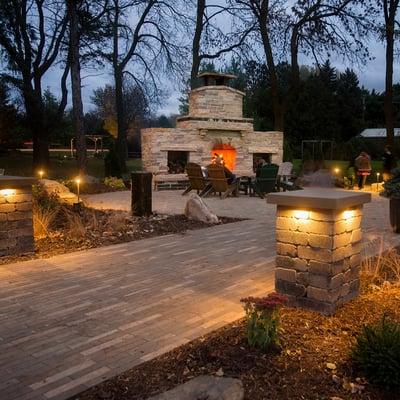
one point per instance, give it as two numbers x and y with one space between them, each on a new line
97 228
298 371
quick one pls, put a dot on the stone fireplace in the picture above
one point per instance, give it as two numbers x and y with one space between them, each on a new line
214 125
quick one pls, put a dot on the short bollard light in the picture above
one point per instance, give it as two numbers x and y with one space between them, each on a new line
41 173
377 181
78 185
318 234
336 170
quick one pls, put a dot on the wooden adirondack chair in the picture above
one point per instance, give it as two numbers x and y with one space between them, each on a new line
197 181
266 182
219 182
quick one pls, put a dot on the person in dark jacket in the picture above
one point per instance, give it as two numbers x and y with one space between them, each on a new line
363 167
389 163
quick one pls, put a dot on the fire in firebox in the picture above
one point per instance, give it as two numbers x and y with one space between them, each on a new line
226 153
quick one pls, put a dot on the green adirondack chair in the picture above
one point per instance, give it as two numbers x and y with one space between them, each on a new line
266 182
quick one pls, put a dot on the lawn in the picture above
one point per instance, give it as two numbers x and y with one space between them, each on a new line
20 164
343 166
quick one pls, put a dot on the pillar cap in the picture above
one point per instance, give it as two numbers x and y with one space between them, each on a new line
11 182
329 199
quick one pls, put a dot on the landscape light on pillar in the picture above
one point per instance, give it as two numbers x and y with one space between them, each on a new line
41 173
78 183
348 214
300 214
7 192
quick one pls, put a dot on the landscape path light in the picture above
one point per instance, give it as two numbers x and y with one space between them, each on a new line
377 181
78 184
41 173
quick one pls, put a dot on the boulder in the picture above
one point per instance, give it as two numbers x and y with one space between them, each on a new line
197 210
205 387
65 195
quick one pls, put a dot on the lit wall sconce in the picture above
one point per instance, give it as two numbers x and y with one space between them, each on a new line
8 192
300 214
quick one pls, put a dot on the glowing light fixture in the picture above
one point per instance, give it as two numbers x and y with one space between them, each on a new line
8 192
301 214
348 214
337 170
41 173
78 184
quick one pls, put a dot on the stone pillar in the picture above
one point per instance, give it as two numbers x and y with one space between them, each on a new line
16 223
318 235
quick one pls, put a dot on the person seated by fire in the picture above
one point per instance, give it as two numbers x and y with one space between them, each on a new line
260 163
229 175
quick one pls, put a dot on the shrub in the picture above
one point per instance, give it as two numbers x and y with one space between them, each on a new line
114 183
45 210
262 316
377 353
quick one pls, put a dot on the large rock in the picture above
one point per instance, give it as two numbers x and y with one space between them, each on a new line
205 387
197 210
61 190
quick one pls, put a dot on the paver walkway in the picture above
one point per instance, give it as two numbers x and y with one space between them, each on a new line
68 322
71 321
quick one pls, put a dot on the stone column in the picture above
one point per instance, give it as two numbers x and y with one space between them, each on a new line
318 235
16 223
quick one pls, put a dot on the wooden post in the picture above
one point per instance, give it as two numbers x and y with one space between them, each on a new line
141 193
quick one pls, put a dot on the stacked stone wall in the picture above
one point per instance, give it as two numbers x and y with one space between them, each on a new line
318 256
216 101
16 226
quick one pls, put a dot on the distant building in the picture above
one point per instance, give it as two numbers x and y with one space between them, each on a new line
377 133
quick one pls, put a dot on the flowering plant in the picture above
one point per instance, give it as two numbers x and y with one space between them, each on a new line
262 314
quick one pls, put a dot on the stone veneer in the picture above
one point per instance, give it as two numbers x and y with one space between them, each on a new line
215 116
318 250
16 224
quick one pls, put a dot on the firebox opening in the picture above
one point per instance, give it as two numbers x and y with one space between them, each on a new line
257 156
177 161
227 153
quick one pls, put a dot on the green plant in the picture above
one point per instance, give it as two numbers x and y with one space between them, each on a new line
262 315
114 183
377 353
392 186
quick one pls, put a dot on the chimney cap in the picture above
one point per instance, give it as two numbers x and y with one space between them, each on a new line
215 78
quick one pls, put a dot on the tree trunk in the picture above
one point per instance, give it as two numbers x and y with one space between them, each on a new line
77 106
201 5
34 119
78 117
388 100
122 149
277 104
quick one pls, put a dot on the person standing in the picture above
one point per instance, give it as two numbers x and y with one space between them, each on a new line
389 163
363 167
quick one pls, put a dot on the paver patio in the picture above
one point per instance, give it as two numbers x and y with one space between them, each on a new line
69 322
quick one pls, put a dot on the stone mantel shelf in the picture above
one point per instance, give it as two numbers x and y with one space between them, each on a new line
10 182
179 147
329 199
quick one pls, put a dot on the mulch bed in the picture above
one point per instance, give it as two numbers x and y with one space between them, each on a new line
297 371
90 228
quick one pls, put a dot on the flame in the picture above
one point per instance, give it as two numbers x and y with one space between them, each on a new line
227 153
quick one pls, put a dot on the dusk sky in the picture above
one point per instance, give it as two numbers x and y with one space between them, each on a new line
372 76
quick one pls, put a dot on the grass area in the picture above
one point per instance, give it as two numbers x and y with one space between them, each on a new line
343 166
20 164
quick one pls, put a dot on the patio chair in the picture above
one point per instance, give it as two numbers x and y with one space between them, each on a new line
197 181
219 182
267 181
285 175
